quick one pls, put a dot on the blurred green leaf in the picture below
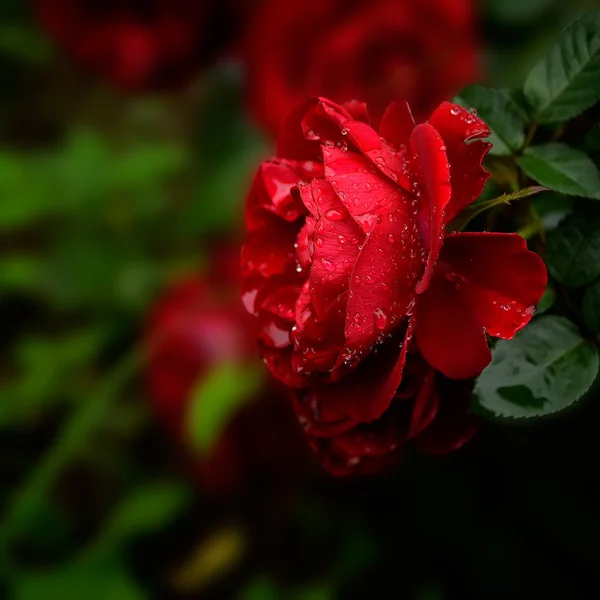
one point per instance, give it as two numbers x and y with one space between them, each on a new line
92 580
50 368
20 271
21 42
216 397
260 588
23 195
545 368
590 307
229 148
573 253
500 113
146 509
562 169
517 11
547 301
565 82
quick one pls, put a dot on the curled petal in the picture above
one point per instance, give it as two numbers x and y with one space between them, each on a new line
397 124
456 126
313 121
453 425
336 241
504 278
270 250
270 191
363 190
449 335
483 282
382 282
365 394
431 153
358 111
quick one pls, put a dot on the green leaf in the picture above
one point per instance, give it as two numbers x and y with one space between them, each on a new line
501 114
260 588
545 368
573 253
216 397
565 82
81 579
547 301
562 169
590 307
146 509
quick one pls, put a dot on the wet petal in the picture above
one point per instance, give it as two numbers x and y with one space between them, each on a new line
307 126
382 282
358 111
431 153
365 394
397 124
449 334
504 279
456 125
362 189
270 191
270 250
336 240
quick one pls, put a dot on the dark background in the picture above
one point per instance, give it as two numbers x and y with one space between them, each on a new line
106 198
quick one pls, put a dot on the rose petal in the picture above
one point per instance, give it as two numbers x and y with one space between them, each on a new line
365 139
449 334
425 406
505 280
318 341
362 189
429 147
270 250
365 394
382 282
336 239
456 125
307 126
453 426
483 280
397 124
358 111
271 190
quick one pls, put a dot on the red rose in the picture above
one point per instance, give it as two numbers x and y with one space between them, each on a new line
135 45
197 326
422 51
428 411
346 267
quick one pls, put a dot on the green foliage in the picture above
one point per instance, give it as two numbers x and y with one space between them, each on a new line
573 255
503 116
545 368
216 398
565 82
562 169
547 301
590 307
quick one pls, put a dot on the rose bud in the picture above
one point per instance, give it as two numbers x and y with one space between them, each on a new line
423 51
196 327
348 265
428 411
137 46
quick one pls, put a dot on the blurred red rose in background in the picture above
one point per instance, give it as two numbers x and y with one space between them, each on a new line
428 410
135 45
422 51
347 255
197 326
